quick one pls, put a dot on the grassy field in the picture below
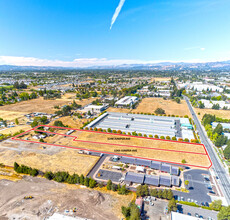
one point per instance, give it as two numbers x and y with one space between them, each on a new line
65 160
15 129
8 112
219 113
152 152
72 122
160 79
149 105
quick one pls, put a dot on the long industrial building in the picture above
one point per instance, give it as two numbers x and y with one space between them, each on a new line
144 124
163 167
151 180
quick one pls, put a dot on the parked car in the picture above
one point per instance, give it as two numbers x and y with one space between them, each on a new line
189 214
197 215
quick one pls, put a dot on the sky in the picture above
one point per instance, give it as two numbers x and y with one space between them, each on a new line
80 33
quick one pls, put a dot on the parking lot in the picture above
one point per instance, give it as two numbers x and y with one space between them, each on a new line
185 209
198 191
109 175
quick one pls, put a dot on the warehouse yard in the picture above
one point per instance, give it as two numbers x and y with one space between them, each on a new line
166 151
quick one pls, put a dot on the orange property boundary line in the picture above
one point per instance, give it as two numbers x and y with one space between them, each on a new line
75 139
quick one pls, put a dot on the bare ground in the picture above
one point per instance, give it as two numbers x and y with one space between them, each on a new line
50 197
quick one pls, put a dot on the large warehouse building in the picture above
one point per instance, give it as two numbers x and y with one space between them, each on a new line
144 124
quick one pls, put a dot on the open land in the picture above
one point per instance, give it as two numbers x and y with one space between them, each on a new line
50 197
149 105
218 113
45 159
37 105
166 151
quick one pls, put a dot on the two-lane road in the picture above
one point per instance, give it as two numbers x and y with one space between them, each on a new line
224 180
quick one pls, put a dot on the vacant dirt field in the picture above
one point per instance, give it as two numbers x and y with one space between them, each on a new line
15 129
160 79
157 154
10 115
122 110
48 159
149 105
37 105
50 197
219 113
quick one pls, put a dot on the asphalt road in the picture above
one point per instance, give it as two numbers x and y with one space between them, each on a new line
223 181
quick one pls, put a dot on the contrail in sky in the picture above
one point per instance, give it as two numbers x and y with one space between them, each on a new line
116 13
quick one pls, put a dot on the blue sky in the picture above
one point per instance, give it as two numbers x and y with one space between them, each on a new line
77 32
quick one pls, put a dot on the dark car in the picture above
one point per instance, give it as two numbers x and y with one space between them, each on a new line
189 214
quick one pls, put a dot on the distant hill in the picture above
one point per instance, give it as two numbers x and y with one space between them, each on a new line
224 66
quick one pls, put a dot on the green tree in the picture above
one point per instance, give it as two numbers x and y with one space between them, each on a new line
172 206
186 182
16 166
170 194
154 192
82 179
109 185
218 129
183 161
159 195
16 121
160 111
224 213
216 205
227 152
165 194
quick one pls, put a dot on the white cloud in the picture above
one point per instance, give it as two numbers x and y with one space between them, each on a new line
91 62
195 48
117 12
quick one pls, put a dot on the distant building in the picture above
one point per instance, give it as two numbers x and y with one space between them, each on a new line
127 101
95 108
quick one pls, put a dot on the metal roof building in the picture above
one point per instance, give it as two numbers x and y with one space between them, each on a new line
144 124
175 180
165 181
165 167
134 178
129 160
175 171
141 162
156 165
151 180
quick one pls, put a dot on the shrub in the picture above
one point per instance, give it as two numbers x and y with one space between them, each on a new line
156 136
162 137
150 136
168 138
174 138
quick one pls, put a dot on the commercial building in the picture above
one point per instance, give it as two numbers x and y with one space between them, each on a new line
144 124
151 180
95 108
126 101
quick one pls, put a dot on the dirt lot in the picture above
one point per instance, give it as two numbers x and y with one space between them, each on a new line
219 113
37 105
149 105
157 154
160 79
48 159
10 115
50 197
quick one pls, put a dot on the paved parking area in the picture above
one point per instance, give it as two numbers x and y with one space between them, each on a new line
109 175
155 212
203 212
197 186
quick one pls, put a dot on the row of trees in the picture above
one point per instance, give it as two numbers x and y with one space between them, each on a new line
109 130
216 135
25 169
120 189
143 190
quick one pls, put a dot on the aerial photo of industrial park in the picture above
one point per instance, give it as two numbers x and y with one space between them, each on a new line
142 134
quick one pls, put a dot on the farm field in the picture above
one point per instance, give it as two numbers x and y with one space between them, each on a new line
219 113
149 105
174 152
